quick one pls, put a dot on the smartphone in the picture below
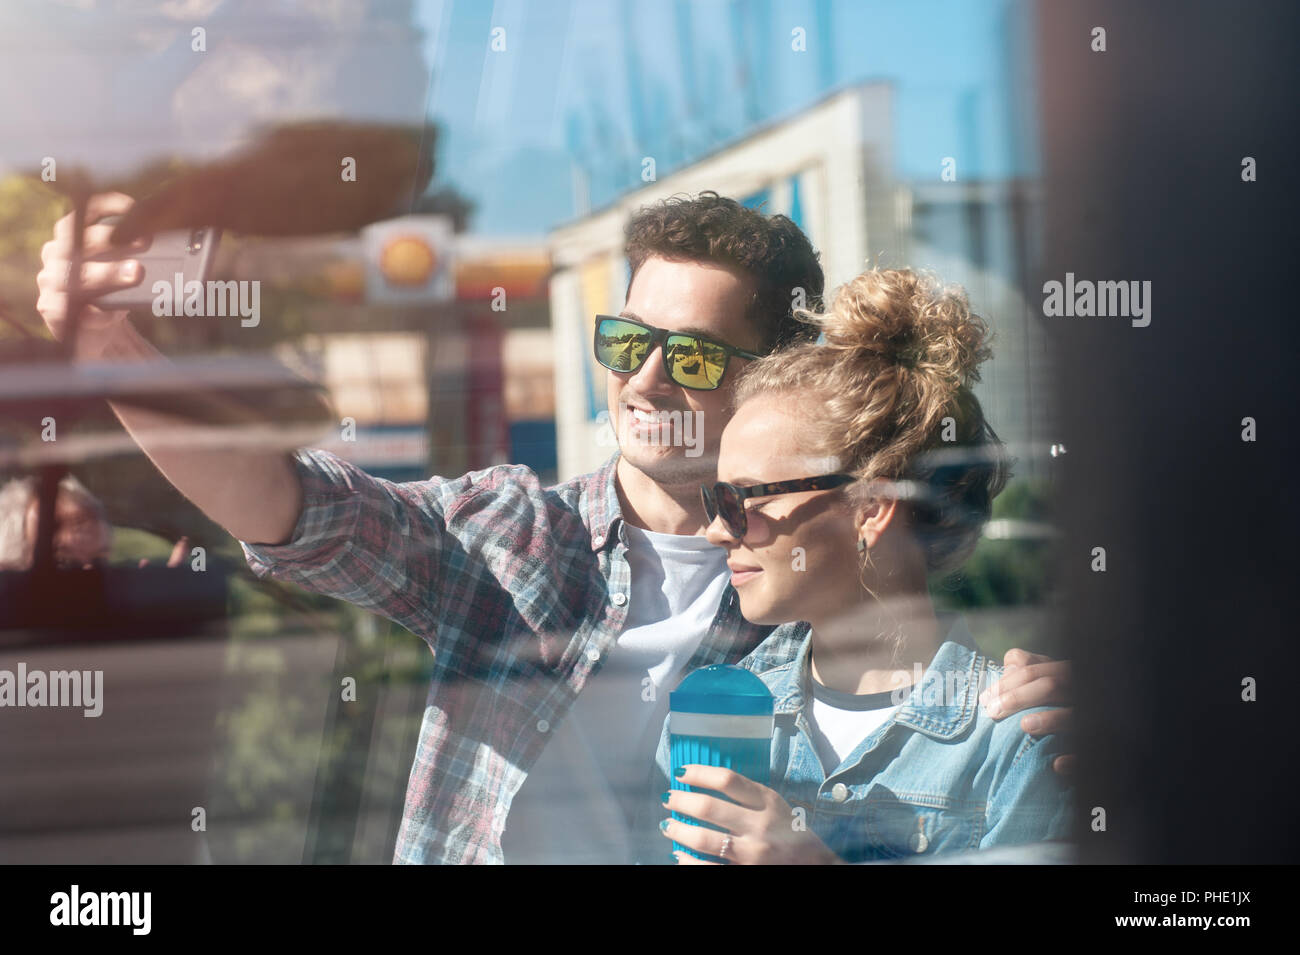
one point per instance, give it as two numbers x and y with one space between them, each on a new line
185 252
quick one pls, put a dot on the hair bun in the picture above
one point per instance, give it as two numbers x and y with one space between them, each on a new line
908 319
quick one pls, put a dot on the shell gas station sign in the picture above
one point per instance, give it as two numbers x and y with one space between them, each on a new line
408 260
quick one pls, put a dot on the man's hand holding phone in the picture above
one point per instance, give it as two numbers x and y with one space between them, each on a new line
256 495
99 329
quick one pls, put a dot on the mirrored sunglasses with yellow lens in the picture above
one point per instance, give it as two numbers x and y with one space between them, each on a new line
691 361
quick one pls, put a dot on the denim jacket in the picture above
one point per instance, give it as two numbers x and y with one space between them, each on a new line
939 776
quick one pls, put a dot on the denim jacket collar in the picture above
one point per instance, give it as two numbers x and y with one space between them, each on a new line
940 711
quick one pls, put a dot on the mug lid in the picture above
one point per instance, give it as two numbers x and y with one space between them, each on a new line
722 688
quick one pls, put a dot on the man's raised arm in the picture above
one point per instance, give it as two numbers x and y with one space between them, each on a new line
255 495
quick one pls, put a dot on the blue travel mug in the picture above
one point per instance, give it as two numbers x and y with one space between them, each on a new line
720 715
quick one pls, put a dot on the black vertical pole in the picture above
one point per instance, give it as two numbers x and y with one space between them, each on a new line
1146 146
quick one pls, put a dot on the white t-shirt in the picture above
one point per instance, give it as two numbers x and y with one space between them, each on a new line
840 721
587 799
843 720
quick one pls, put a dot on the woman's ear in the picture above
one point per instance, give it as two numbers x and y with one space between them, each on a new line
874 517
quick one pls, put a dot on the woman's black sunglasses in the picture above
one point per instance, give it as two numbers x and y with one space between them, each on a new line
728 500
692 361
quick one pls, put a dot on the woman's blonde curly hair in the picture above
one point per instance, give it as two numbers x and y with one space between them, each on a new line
900 354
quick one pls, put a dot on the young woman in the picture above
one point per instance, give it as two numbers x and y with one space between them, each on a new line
851 472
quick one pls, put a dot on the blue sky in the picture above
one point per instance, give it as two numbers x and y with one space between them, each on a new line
593 85
602 84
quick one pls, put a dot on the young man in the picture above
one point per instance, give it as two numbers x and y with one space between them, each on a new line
559 618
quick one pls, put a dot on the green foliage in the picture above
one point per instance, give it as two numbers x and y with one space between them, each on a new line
1026 499
1003 573
28 210
131 545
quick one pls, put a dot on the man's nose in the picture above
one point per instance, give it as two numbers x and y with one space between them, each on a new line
652 376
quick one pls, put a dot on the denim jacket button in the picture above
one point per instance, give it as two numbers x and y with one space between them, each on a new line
619 599
839 792
917 841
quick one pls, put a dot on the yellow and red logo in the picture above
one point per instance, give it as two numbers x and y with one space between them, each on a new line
407 261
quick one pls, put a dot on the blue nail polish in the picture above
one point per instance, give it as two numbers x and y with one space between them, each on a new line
663 826
679 772
664 797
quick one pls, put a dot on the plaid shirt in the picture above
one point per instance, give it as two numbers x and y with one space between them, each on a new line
521 591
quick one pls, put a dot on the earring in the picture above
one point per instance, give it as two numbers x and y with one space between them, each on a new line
862 546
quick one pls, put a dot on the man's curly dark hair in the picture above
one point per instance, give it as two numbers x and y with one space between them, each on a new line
772 250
